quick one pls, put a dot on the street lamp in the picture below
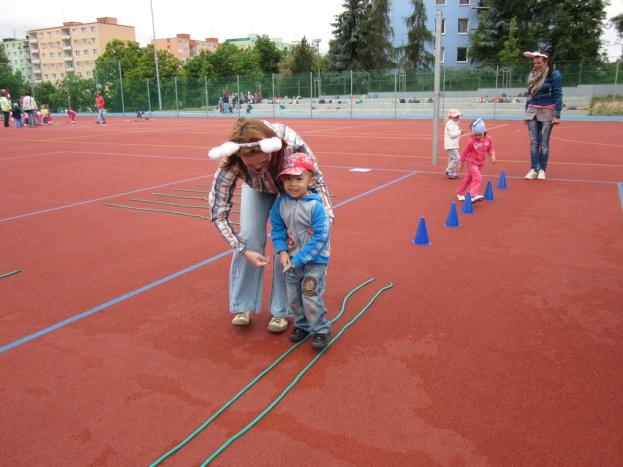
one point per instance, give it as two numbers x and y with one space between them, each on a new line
153 28
317 44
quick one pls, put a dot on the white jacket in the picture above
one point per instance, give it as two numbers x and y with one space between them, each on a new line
28 103
451 135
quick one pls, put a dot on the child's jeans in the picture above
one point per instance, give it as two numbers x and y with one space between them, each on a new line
453 161
18 122
305 289
472 181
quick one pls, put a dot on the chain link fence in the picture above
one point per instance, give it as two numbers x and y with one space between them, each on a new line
391 92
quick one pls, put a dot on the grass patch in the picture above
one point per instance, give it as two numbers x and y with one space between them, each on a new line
607 105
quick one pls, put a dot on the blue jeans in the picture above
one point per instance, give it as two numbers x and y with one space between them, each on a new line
100 115
245 280
18 122
305 294
539 143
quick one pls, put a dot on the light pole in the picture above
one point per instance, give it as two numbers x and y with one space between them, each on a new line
153 28
317 44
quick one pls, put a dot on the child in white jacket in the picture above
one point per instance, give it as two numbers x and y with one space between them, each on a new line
451 137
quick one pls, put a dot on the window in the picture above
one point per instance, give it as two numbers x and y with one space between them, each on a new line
85 52
53 75
62 75
94 51
464 2
85 41
463 25
77 53
83 30
461 54
443 54
443 26
49 34
58 32
76 42
440 2
92 28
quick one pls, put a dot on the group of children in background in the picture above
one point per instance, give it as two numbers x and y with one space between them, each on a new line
478 147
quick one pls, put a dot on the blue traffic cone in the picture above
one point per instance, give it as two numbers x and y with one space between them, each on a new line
468 208
453 217
502 181
489 192
421 237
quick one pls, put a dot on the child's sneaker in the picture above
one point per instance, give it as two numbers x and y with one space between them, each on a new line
277 324
297 335
477 198
319 341
460 197
531 175
541 175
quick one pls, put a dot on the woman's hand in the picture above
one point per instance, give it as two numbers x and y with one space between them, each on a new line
255 258
493 159
555 121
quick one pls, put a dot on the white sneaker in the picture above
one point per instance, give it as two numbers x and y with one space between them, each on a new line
242 319
531 175
541 175
277 324
460 197
477 198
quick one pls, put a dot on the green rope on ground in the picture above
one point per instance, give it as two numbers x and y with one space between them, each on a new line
295 381
252 383
159 210
190 191
181 196
7 274
169 204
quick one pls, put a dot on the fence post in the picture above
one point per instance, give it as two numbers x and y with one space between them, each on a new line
497 70
395 92
121 87
273 99
238 98
148 97
177 105
351 93
616 79
311 95
205 81
580 74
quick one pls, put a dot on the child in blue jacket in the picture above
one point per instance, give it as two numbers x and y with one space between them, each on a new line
300 235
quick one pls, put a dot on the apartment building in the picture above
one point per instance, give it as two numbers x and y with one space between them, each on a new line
249 41
460 18
183 47
18 53
73 47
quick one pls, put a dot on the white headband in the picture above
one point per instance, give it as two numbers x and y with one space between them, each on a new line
268 145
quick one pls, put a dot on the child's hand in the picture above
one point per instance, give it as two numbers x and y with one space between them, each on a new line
284 260
493 159
459 167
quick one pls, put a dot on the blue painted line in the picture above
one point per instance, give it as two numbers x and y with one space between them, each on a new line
151 285
620 185
80 203
97 308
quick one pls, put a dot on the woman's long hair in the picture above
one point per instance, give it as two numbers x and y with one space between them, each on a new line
250 130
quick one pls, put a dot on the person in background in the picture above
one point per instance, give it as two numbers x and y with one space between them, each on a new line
543 107
30 107
477 148
255 154
16 111
71 115
300 235
100 105
451 136
5 106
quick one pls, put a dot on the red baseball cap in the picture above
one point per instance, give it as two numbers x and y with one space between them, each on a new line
297 163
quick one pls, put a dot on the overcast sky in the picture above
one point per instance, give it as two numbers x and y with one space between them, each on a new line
289 20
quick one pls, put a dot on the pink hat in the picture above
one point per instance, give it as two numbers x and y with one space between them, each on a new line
454 113
298 163
535 54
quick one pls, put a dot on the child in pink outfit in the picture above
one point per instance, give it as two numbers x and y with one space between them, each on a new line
477 148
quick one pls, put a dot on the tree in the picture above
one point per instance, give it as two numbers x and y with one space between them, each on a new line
511 52
376 47
343 50
414 53
617 22
199 66
301 58
269 54
569 33
13 82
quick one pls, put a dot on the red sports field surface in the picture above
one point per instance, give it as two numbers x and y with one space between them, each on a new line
499 344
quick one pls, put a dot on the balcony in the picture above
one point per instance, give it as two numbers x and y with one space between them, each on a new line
35 61
68 58
66 47
34 51
32 40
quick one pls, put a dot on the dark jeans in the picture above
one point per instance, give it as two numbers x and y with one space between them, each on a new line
6 119
539 143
